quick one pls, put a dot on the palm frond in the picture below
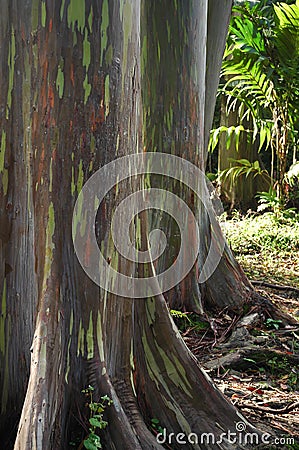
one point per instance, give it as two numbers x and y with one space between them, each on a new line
286 38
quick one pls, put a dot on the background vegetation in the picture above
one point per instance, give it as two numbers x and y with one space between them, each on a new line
259 94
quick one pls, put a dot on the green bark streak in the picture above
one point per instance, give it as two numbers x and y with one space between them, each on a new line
143 56
75 39
77 217
109 55
60 82
155 373
86 51
176 372
3 171
153 367
127 20
62 9
90 18
35 62
100 341
90 338
49 245
168 31
83 226
138 233
11 68
80 178
180 418
107 95
80 345
92 144
75 14
158 51
44 14
150 310
104 27
51 176
3 318
34 15
87 89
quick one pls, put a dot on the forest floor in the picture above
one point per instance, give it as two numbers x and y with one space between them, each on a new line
255 360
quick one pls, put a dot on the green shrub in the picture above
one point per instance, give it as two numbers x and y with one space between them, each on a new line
266 246
264 232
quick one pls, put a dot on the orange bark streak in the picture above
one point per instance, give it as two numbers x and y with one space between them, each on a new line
88 250
72 75
44 86
51 96
41 164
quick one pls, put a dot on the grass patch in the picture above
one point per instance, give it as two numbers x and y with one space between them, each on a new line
267 247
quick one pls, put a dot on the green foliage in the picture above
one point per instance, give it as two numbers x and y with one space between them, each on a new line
186 320
282 366
245 168
280 369
272 323
292 176
262 233
286 38
262 58
294 446
270 201
261 69
155 425
211 176
232 133
96 420
266 245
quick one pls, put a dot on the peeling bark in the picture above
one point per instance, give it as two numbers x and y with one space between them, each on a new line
71 102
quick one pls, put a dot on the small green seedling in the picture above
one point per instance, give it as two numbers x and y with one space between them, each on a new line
96 420
155 424
272 323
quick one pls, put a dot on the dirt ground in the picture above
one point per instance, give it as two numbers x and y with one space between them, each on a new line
255 362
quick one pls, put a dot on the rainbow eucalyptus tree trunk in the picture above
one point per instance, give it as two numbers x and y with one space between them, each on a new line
70 103
181 54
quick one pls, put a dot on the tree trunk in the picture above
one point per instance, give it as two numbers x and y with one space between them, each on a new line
178 102
71 103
